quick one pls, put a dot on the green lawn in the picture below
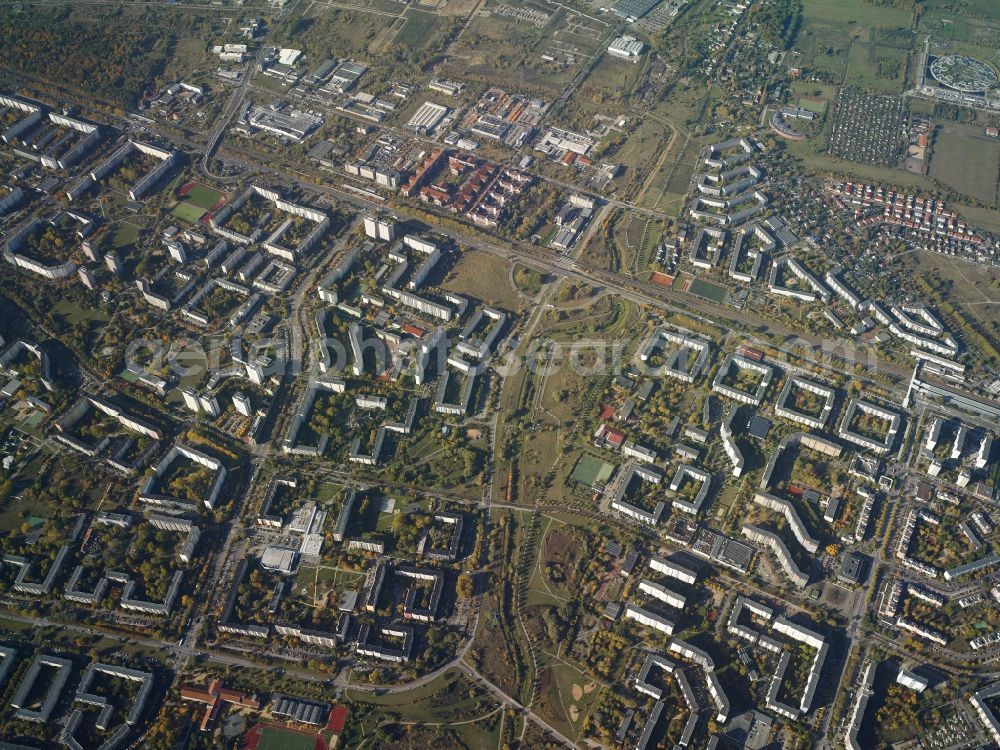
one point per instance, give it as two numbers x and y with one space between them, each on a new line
125 235
328 491
485 277
76 314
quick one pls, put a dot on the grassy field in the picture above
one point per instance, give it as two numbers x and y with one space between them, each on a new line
612 78
566 696
967 162
125 235
327 491
871 66
855 11
448 699
825 164
485 277
418 28
961 23
642 152
334 32
819 90
75 314
984 218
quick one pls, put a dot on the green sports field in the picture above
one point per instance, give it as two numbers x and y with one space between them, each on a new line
713 292
591 470
203 196
273 738
188 212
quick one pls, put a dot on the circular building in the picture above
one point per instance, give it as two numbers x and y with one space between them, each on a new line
961 73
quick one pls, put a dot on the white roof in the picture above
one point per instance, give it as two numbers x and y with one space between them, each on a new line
289 56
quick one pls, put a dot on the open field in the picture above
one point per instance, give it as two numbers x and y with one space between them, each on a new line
962 24
449 701
125 235
611 79
875 67
75 314
967 161
823 163
984 218
642 152
566 695
857 12
485 277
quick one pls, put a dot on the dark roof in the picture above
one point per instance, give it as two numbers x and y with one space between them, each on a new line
630 561
759 427
850 567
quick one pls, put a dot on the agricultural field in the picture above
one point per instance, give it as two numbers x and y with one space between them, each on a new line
967 161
